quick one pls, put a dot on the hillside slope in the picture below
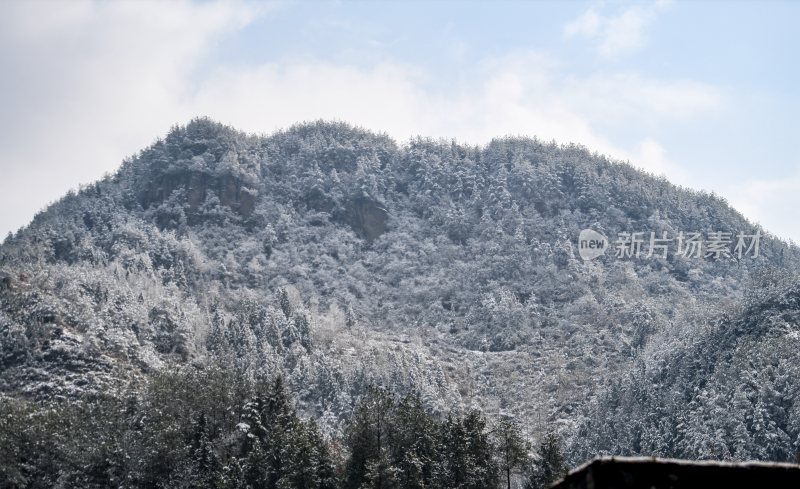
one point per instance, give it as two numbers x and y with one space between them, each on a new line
340 258
726 389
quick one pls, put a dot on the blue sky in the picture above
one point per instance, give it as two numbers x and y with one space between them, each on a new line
702 92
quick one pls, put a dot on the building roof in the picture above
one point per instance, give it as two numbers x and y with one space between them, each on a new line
655 473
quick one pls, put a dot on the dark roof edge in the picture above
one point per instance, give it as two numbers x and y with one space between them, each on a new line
672 461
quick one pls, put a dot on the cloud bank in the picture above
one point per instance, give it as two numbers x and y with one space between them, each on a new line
93 82
616 34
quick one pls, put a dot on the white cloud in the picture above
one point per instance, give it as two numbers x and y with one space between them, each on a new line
627 95
94 82
265 98
619 34
770 202
86 83
521 94
652 157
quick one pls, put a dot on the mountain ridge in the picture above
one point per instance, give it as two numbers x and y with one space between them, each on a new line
339 258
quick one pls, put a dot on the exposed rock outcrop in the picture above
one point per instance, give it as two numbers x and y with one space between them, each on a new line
6 280
198 186
367 217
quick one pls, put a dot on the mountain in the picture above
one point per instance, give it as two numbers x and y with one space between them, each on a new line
722 389
340 259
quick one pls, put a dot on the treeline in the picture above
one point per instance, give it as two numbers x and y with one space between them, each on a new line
204 427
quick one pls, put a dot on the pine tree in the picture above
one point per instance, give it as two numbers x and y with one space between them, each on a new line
256 466
482 469
285 302
205 469
296 455
321 462
414 444
367 439
549 465
512 450
303 330
467 454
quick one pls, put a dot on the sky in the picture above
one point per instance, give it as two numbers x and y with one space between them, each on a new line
704 93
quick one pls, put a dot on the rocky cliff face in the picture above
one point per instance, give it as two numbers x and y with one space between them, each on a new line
6 280
367 217
196 189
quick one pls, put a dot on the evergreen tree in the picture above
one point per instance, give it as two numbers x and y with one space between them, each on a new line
467 452
368 438
206 465
549 465
414 444
285 302
512 450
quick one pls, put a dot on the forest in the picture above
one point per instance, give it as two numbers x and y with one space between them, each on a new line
205 427
326 307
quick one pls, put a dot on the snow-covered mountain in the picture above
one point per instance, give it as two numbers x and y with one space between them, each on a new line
339 258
